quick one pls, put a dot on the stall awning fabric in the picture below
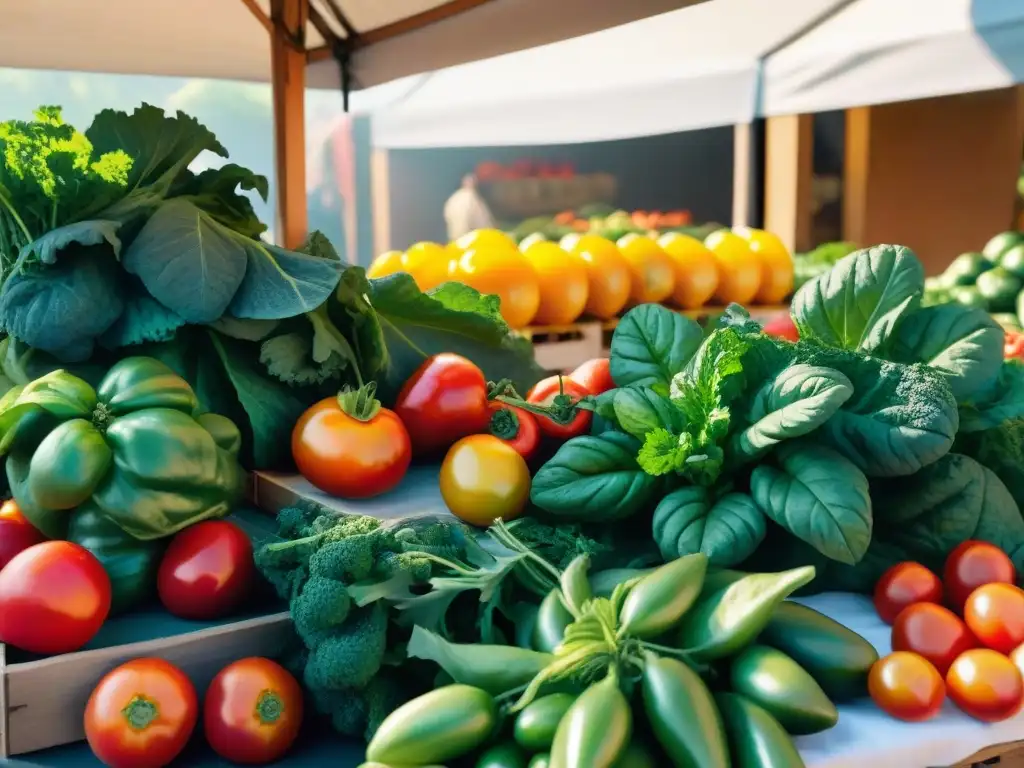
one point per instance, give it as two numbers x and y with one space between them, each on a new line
387 39
690 68
881 51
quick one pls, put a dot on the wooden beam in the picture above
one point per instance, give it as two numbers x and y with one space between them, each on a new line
789 172
416 21
742 174
288 61
380 201
260 16
856 166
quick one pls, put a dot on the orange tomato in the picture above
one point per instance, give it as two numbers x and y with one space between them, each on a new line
934 632
986 685
506 274
776 265
739 270
995 614
905 584
696 270
428 263
608 274
906 686
483 478
388 263
652 271
563 282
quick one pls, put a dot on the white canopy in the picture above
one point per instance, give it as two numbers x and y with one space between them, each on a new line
880 51
224 38
690 68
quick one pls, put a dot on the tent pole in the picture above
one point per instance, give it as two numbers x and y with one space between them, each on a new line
789 173
288 62
380 200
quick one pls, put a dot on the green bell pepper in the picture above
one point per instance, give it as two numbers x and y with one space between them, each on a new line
137 447
131 563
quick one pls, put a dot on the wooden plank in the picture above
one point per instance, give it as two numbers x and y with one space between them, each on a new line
288 63
742 174
380 201
789 172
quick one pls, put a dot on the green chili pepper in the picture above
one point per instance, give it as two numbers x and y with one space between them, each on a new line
131 563
659 600
596 729
536 724
440 725
603 583
575 586
504 755
683 714
756 739
552 619
636 755
525 617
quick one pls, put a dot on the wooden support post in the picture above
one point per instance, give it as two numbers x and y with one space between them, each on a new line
380 201
288 61
742 174
789 173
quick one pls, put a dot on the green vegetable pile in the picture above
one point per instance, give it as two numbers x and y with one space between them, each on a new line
676 666
809 265
869 441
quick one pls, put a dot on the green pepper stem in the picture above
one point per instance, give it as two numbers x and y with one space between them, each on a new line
362 403
140 712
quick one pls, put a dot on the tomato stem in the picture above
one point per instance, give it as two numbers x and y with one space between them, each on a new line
361 404
140 712
269 707
504 424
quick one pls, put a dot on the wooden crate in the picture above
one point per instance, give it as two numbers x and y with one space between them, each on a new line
1009 755
561 348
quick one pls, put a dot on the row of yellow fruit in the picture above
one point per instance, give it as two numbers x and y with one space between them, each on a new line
544 283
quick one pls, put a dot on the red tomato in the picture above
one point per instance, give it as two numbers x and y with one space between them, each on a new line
906 686
141 714
934 632
995 614
54 597
443 401
905 584
986 685
971 565
351 447
783 327
16 533
561 394
594 376
206 571
252 711
516 427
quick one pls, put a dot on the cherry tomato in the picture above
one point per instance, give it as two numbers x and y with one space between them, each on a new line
905 584
141 714
782 326
594 376
16 533
349 446
561 394
207 571
971 565
443 401
906 686
482 479
995 614
252 711
54 597
516 427
986 685
934 632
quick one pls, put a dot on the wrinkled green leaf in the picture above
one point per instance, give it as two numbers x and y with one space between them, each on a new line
83 233
1002 401
639 409
289 357
691 520
143 319
279 284
215 191
651 344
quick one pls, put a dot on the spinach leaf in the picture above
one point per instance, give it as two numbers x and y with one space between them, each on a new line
651 344
143 319
595 479
639 410
999 402
92 232
279 283
215 191
819 496
690 520
604 413
1001 449
796 402
962 343
858 303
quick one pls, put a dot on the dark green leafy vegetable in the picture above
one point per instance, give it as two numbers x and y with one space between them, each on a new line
691 519
651 344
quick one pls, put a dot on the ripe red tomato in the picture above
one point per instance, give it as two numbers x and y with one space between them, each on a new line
995 614
443 401
54 597
594 376
971 565
561 394
515 427
207 571
905 584
16 533
349 446
906 686
934 632
141 714
252 711
986 685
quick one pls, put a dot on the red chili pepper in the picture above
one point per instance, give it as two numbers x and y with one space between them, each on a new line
560 397
516 427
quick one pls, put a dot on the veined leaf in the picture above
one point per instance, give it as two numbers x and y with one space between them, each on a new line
651 344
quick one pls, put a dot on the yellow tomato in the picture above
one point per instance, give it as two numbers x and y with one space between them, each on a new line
386 264
608 275
482 479
653 274
428 263
506 274
739 270
696 270
484 239
562 278
569 242
776 265
526 242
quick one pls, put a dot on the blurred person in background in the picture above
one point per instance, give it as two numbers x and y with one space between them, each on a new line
466 210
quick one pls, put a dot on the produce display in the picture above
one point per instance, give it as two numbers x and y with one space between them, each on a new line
991 279
604 221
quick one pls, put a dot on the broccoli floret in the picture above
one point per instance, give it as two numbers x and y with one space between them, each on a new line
349 713
390 564
322 605
351 655
347 560
383 696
